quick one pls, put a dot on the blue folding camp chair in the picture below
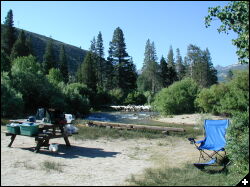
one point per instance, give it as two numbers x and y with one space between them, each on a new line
215 131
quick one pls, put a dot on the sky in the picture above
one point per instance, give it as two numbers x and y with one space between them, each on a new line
166 23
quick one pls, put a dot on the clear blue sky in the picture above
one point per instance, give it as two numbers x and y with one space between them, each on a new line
176 23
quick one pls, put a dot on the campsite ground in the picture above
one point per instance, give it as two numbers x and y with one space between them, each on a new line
89 162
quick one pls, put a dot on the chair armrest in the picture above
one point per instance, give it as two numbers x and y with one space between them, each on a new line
192 141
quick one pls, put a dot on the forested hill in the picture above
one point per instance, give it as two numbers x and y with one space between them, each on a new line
75 55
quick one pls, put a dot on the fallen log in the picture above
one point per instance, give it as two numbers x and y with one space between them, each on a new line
132 126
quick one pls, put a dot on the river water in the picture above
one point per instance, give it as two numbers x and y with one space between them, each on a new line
144 118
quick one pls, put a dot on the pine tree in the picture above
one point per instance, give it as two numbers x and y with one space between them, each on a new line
20 47
130 71
200 66
149 54
100 60
180 68
171 66
164 73
211 71
86 73
150 79
49 60
120 60
186 67
93 46
63 64
8 37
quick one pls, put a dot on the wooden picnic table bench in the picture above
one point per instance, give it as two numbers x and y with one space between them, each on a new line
47 131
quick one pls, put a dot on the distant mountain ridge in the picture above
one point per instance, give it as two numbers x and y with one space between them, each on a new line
75 55
222 72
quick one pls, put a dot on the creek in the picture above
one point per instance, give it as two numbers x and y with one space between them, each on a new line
143 118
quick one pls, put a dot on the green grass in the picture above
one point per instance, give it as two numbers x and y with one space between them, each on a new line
48 166
112 133
102 132
186 176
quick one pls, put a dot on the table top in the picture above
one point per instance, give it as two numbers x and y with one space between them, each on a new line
39 122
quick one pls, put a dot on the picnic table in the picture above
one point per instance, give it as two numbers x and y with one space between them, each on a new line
46 132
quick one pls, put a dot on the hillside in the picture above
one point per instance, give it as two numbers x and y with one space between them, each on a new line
223 71
74 54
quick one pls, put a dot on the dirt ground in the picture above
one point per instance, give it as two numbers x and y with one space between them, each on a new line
98 162
187 119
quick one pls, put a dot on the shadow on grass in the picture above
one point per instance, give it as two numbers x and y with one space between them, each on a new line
75 152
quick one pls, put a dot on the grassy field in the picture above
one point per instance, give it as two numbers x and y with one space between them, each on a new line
98 132
188 175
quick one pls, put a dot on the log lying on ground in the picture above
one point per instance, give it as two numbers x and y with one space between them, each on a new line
132 126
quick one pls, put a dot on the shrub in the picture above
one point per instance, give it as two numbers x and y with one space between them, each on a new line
55 76
34 86
238 142
177 98
208 100
149 96
226 98
101 98
76 100
237 96
11 100
135 98
117 96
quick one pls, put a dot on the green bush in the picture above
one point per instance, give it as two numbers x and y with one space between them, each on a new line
76 99
117 96
226 98
135 98
238 142
37 91
55 76
149 96
11 100
237 96
177 98
101 98
208 100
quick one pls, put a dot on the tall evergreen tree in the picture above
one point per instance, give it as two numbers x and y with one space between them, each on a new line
20 47
108 82
149 54
8 36
49 60
200 66
164 73
63 64
150 79
130 70
99 45
120 59
93 45
86 73
186 67
171 66
180 68
211 71
100 60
